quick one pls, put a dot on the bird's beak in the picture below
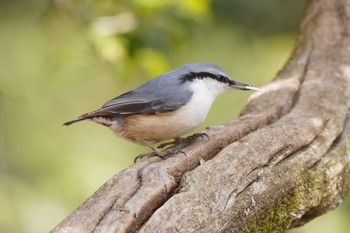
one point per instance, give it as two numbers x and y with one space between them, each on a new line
242 86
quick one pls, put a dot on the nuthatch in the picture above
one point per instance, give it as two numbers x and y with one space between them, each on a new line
165 107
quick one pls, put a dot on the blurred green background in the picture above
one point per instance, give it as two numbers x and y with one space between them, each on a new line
62 58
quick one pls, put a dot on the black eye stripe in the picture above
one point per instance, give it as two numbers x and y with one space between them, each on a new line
200 75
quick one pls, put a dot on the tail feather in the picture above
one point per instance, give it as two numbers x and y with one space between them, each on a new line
74 121
90 115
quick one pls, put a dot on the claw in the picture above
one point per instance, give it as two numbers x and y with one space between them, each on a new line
172 150
160 155
199 135
141 156
188 140
175 141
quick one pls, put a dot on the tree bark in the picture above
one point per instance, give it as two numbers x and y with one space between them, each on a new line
283 162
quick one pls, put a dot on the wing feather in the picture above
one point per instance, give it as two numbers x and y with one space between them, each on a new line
158 96
131 103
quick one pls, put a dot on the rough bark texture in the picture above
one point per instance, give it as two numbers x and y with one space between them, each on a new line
283 162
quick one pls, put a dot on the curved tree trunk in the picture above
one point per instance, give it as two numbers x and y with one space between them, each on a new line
283 162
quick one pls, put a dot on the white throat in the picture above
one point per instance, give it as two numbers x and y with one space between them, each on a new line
208 87
205 92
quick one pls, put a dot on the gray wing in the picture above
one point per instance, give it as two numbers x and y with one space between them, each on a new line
160 95
134 102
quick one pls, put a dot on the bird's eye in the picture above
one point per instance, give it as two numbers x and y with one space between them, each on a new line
221 78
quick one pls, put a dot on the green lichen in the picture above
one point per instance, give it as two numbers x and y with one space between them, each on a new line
280 215
277 218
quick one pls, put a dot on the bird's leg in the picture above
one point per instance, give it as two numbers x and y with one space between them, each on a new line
155 149
187 141
155 152
146 143
175 141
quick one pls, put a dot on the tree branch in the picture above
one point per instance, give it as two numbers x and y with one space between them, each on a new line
283 162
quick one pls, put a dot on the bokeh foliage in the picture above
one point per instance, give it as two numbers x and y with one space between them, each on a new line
61 58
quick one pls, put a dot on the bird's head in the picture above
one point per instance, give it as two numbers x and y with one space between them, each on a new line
211 76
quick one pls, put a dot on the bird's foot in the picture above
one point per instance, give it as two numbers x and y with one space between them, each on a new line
194 137
186 141
170 151
147 155
174 142
175 148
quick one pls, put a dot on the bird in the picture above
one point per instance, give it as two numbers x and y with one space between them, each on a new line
166 107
